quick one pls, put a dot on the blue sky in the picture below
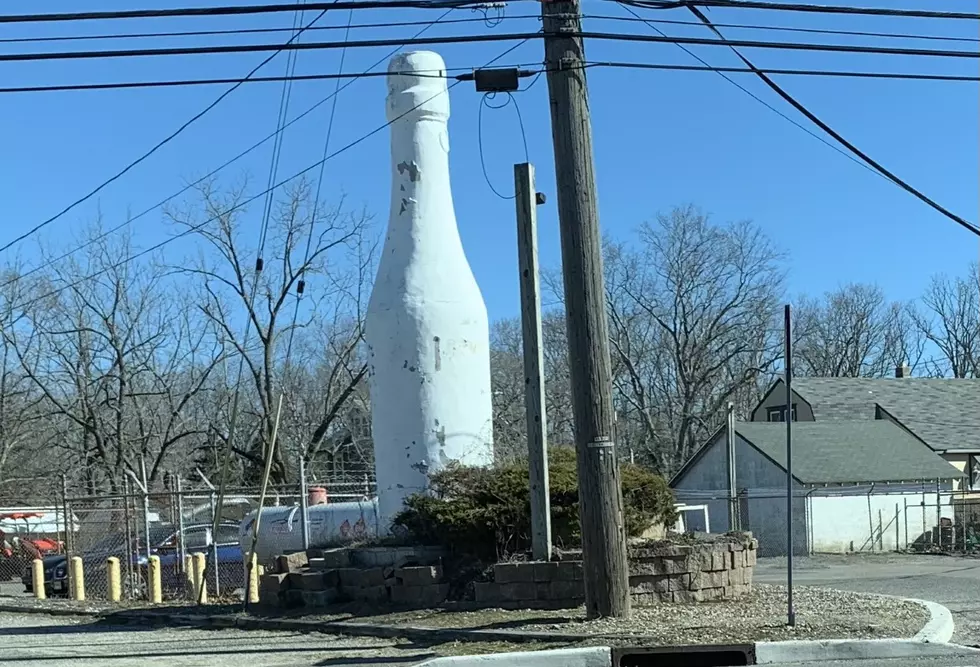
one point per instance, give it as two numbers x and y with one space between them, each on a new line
661 139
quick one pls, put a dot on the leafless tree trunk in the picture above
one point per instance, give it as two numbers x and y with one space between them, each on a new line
950 319
324 249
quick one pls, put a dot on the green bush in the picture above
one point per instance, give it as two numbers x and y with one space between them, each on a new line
486 511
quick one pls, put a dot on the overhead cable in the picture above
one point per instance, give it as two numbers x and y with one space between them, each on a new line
233 10
804 7
466 39
478 19
836 135
163 142
368 72
122 85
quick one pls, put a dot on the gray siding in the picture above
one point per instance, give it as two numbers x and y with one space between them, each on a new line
761 480
777 399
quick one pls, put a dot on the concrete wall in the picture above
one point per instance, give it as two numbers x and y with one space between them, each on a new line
763 485
843 520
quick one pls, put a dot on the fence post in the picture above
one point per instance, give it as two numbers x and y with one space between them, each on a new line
127 499
181 548
304 504
215 521
69 526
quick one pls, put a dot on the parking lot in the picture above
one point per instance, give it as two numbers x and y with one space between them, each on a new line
953 581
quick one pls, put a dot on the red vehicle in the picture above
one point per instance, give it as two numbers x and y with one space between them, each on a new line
18 550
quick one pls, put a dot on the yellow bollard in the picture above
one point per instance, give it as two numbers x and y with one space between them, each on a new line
114 577
155 584
189 586
37 576
200 560
77 578
253 579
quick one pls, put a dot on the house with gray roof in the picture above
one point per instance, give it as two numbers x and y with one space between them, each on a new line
941 413
862 478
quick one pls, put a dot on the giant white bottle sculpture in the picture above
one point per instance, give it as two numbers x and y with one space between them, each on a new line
426 325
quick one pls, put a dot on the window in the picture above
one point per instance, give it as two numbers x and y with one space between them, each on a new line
973 470
227 534
195 538
777 414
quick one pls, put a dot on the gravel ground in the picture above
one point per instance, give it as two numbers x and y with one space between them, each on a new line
821 614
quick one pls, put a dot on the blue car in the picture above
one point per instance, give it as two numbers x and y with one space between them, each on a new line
197 538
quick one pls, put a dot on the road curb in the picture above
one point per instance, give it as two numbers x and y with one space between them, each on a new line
600 656
939 629
931 641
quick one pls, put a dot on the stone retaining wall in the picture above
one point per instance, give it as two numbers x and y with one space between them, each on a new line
663 572
684 573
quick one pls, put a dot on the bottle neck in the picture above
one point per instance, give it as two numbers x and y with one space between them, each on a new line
420 185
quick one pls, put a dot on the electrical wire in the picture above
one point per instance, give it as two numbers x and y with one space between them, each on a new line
300 289
779 28
494 22
485 103
836 135
368 72
789 72
755 97
468 39
173 135
801 7
233 10
122 85
256 276
240 31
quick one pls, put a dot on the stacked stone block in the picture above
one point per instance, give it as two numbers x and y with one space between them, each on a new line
318 578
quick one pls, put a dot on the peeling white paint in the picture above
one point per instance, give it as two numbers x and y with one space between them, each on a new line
426 326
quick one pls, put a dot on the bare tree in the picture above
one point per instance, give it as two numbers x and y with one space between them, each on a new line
302 242
950 320
854 332
115 356
692 326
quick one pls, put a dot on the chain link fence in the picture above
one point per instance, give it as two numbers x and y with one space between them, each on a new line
171 524
870 518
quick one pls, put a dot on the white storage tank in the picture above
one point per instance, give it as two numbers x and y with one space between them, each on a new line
334 524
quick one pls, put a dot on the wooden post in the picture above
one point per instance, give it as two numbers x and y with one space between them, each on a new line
537 428
730 451
600 494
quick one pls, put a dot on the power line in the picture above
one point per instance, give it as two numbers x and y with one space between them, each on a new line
233 10
755 97
779 28
466 39
227 163
836 135
122 85
480 19
245 31
799 7
790 72
156 147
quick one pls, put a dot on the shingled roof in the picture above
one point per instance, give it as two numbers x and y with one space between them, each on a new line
943 412
849 452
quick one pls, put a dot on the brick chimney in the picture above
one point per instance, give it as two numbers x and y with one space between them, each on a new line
903 371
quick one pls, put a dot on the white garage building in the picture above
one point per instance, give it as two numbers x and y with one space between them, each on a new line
858 486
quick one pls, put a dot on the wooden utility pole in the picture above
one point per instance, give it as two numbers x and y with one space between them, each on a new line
600 493
537 429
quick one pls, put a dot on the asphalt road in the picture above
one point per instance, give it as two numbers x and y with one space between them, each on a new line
949 580
42 640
